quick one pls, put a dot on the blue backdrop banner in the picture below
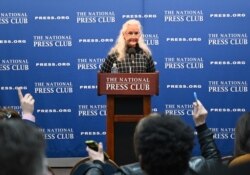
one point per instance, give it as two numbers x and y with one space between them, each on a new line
54 49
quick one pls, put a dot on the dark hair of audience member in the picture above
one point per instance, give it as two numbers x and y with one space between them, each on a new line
168 149
242 135
8 113
22 148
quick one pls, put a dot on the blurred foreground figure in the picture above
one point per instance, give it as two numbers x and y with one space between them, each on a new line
22 149
163 144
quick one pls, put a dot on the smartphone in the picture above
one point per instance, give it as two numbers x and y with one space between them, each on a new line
94 146
195 97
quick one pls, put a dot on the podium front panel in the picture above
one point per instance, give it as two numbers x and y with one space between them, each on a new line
123 142
128 105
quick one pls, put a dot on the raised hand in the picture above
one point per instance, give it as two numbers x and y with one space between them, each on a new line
27 102
199 113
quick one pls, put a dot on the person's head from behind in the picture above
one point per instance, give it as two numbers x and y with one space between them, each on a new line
8 113
22 149
242 135
163 144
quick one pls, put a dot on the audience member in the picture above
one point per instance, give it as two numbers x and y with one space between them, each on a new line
163 144
22 149
242 141
27 103
242 168
9 113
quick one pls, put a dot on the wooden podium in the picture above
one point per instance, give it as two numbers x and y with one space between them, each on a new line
128 100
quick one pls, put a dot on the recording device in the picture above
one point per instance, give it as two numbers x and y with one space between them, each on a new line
94 146
195 97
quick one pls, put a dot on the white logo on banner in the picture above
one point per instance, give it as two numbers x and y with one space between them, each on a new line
95 40
13 18
93 133
183 16
227 109
234 39
89 63
223 133
14 65
85 87
58 133
179 109
227 86
151 39
52 41
51 18
95 17
184 63
224 62
13 41
53 87
184 86
52 64
53 110
139 16
183 39
91 110
227 15
12 88
17 108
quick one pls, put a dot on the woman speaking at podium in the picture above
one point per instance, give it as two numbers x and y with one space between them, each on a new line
130 53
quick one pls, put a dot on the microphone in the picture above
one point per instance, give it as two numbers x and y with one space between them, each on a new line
132 52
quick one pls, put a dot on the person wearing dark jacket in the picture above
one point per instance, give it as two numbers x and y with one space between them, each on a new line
163 144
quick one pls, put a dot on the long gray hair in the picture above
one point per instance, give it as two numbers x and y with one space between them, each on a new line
120 46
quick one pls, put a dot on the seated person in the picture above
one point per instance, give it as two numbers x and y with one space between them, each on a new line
27 103
22 149
9 113
241 160
163 144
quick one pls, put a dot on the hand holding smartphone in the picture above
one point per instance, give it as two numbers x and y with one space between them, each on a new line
94 146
